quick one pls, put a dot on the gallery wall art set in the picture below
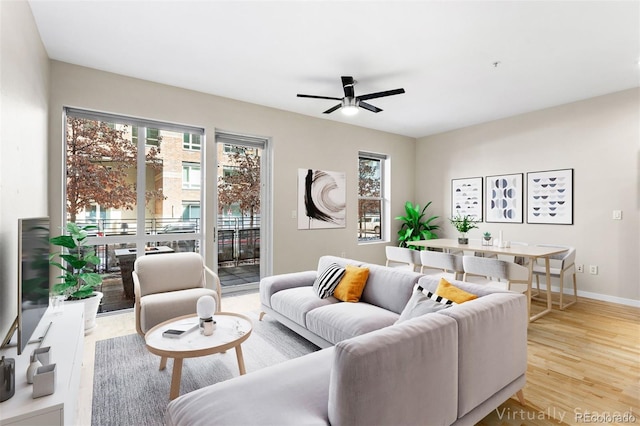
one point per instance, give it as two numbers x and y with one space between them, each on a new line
549 197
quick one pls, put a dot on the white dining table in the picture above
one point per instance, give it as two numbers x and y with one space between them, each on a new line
530 252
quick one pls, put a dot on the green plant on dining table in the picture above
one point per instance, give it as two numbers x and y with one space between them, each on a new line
414 225
77 261
463 224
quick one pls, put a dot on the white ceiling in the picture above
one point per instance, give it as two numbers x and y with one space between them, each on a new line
441 53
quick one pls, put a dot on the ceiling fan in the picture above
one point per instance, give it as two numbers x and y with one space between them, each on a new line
350 102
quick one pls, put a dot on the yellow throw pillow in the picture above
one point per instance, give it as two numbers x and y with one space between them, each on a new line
352 284
451 292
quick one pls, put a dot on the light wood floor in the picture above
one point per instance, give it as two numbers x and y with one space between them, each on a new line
584 364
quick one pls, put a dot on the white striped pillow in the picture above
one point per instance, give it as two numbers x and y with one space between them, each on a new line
435 297
328 280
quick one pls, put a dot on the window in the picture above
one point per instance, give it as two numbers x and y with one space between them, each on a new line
190 210
190 175
191 141
371 203
153 136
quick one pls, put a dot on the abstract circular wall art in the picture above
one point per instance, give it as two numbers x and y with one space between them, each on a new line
550 197
504 198
321 199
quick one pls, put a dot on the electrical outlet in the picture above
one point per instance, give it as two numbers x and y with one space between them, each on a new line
593 269
294 214
617 215
580 268
343 254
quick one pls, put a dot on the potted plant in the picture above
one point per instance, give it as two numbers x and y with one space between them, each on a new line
487 238
77 260
414 225
463 224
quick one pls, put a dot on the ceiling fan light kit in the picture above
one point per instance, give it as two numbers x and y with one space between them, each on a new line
350 103
349 106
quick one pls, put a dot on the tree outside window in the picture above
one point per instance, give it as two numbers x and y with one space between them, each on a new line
99 160
239 185
370 197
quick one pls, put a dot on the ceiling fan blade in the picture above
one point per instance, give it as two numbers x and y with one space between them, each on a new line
369 107
318 97
380 94
347 85
330 110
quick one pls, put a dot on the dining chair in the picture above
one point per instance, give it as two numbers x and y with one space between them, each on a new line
501 274
402 257
559 265
443 265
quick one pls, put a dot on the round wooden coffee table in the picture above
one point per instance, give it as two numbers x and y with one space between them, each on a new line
231 330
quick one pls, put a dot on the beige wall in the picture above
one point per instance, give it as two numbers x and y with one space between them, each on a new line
298 142
24 83
599 138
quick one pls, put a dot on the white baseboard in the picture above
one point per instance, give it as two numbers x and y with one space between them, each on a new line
596 296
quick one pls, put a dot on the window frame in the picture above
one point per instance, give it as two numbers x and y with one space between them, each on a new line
382 199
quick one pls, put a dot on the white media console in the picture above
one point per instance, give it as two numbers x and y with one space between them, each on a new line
66 339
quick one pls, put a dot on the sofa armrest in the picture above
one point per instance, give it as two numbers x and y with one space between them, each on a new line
492 349
405 374
271 285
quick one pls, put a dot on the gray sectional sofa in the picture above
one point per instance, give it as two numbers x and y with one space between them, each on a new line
290 299
449 367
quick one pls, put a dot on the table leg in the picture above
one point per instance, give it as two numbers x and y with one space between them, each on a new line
175 378
240 360
163 363
549 303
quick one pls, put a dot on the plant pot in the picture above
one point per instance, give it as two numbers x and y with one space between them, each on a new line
463 240
91 305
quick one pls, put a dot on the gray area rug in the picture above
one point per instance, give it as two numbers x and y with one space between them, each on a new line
128 388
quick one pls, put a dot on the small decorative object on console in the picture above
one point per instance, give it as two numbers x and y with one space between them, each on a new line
44 381
7 378
33 366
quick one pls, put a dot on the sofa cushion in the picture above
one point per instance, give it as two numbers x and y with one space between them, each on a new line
420 304
352 284
453 293
273 284
340 321
430 283
400 375
295 303
325 261
389 288
328 280
294 392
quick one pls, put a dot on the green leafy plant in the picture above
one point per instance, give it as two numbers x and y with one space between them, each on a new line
464 223
414 226
487 235
76 261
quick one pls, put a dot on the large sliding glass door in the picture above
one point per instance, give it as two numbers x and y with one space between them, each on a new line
140 183
242 212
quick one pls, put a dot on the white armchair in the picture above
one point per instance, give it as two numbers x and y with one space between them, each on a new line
167 286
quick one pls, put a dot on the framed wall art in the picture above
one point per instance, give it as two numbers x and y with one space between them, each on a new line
321 199
504 198
466 197
550 197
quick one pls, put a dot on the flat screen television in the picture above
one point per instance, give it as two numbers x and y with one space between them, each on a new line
33 276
